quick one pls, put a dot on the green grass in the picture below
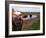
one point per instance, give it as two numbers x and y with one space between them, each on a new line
36 25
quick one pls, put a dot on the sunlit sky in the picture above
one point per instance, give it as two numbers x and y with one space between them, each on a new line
27 9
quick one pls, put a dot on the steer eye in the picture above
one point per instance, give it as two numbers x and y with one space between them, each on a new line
24 16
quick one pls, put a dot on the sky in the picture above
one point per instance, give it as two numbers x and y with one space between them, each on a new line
27 9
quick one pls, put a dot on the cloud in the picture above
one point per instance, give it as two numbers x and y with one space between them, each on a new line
26 9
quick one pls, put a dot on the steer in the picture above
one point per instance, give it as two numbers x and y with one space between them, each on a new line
16 22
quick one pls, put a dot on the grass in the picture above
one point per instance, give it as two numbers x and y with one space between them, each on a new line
36 25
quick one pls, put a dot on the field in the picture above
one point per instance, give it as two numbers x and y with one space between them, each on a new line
36 25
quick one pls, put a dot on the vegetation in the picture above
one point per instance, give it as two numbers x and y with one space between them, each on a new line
36 25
